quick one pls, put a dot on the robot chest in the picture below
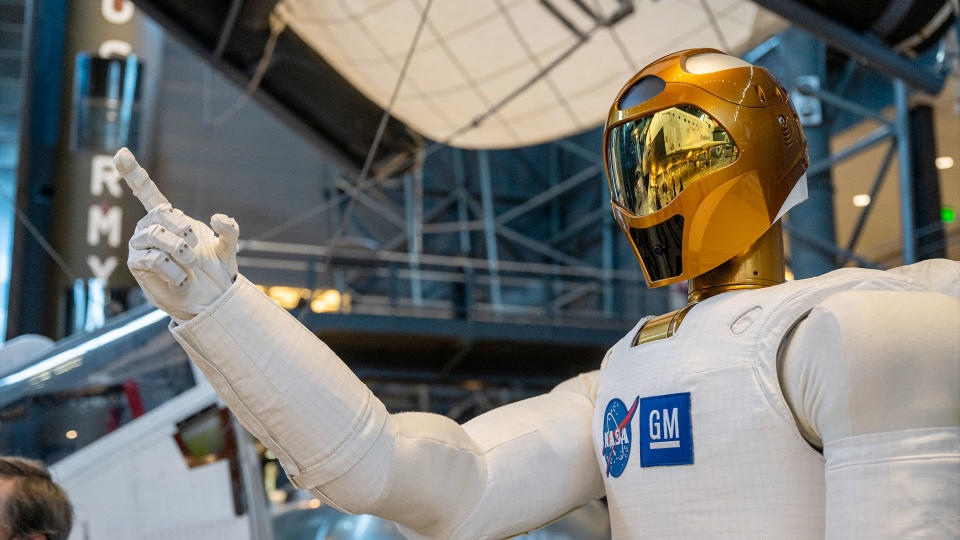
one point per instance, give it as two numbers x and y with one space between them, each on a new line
650 395
690 426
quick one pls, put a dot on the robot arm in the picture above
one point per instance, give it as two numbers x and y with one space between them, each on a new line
495 476
873 378
503 473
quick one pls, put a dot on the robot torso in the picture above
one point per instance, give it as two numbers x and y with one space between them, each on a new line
692 433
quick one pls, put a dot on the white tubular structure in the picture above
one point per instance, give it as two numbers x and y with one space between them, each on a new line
874 378
434 477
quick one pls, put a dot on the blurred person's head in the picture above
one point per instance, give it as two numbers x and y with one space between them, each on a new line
32 506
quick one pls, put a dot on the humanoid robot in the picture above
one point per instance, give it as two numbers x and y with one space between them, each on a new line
820 407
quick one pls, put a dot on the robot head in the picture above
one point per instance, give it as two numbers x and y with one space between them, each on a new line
703 152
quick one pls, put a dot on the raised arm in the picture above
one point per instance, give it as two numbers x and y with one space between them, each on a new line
505 472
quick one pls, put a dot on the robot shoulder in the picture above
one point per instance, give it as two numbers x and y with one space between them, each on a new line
885 359
876 324
938 275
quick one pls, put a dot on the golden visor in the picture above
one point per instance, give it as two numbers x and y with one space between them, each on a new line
653 158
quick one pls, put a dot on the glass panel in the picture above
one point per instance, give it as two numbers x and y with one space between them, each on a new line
652 159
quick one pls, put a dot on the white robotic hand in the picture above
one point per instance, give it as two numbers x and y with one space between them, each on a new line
180 264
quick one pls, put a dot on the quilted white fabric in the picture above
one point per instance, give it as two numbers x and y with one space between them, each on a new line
286 386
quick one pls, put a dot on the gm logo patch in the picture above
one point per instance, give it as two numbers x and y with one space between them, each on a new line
616 435
666 436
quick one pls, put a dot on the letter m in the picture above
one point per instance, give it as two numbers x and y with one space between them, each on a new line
107 222
670 428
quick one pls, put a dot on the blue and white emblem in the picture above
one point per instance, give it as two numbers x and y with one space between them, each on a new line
666 434
616 435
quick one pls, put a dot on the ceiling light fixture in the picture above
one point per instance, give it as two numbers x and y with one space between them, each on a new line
943 162
861 200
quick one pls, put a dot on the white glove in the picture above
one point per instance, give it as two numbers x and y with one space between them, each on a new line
180 264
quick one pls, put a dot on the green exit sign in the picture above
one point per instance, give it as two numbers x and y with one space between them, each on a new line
948 214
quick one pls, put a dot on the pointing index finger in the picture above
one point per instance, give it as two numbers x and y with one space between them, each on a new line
138 180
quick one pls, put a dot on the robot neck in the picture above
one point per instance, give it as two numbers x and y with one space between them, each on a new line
759 265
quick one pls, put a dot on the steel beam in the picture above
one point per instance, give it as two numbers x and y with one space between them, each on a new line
592 156
844 104
871 139
417 233
538 246
797 233
607 247
551 287
906 179
582 223
381 257
363 198
453 226
477 330
874 190
463 215
799 60
440 207
574 294
867 49
549 194
413 203
490 228
332 200
849 69
436 211
762 50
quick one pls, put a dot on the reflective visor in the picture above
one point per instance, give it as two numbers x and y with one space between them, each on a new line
652 159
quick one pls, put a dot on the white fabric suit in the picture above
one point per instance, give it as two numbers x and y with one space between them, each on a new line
699 435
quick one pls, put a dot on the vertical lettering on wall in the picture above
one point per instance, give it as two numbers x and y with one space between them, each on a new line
104 174
104 220
114 47
117 11
106 117
101 218
101 269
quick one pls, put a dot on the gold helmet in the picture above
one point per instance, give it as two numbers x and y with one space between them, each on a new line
701 150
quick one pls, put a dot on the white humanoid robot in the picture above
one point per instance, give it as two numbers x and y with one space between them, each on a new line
820 407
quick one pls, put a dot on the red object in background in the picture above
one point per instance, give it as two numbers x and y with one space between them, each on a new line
113 421
132 391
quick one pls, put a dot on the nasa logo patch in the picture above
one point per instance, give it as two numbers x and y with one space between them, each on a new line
616 435
666 434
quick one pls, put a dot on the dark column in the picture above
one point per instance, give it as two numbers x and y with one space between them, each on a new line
926 184
801 55
31 266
